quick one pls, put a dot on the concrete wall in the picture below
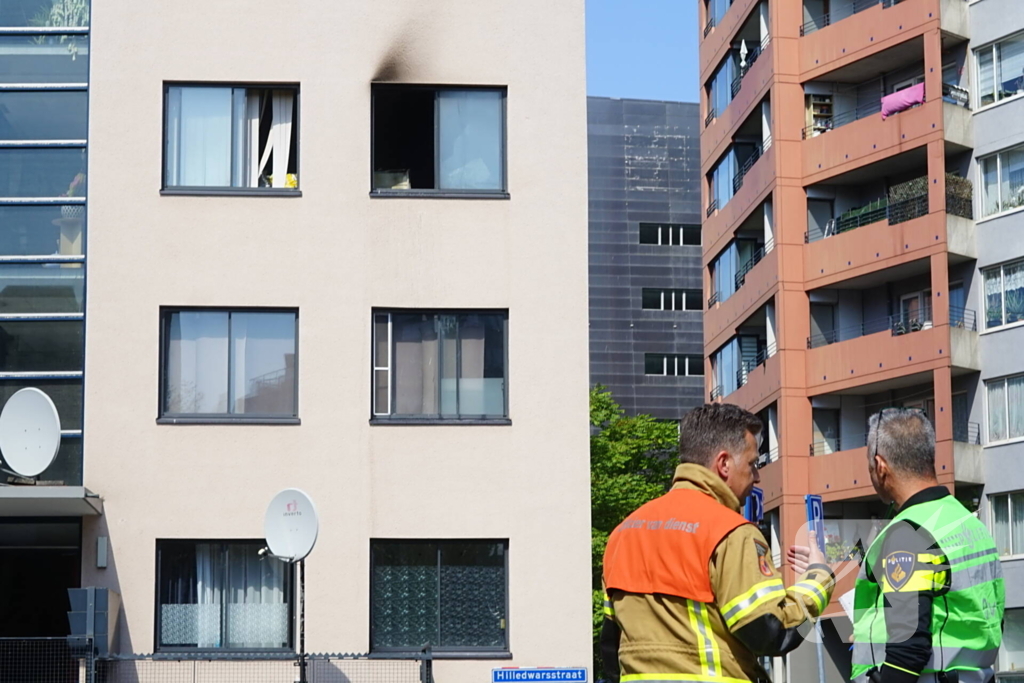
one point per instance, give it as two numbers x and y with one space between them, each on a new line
335 253
644 167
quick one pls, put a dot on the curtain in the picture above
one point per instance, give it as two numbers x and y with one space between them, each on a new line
1017 522
254 593
197 363
1013 291
996 410
1011 67
470 139
990 185
404 590
415 375
281 135
471 374
209 591
993 297
199 137
986 77
239 138
1015 403
1011 180
472 597
1001 523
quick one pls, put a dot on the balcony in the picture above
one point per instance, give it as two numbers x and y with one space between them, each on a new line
743 369
904 202
759 150
754 178
744 265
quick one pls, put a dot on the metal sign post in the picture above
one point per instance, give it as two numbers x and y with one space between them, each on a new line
302 621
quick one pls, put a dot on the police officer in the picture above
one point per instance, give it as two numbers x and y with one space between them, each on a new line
929 599
691 592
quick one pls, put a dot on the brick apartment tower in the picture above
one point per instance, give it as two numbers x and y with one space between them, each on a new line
838 248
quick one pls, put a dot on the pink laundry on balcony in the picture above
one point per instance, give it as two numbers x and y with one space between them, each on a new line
902 100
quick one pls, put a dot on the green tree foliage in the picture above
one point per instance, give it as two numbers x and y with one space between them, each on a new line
631 462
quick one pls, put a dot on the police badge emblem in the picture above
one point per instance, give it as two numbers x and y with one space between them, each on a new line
899 566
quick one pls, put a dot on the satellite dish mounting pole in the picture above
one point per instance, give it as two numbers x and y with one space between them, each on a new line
302 620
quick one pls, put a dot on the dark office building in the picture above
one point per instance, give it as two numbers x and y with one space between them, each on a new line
646 304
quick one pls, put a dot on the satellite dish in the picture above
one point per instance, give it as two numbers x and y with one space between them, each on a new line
291 525
29 432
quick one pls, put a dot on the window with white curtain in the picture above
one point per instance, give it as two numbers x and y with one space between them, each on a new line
1005 408
1007 518
1002 181
450 365
438 139
221 596
229 363
231 137
1004 294
1000 70
1011 652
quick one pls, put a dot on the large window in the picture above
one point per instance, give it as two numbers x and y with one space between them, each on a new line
438 139
237 364
1005 408
1007 512
671 299
440 365
719 90
1000 70
673 364
1011 652
1004 294
223 137
221 595
450 595
1002 181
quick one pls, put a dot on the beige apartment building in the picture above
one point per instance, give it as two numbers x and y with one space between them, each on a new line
338 246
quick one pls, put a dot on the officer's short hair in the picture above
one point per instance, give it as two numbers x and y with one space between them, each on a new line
714 427
905 438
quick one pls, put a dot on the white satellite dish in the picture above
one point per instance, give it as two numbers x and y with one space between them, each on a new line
29 432
291 525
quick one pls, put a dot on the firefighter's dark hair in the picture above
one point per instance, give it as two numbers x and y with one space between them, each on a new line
706 431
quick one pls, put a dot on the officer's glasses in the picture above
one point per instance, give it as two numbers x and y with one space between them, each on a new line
882 414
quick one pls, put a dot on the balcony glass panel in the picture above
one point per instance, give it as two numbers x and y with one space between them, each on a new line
39 172
41 230
66 395
43 115
20 13
43 58
41 288
47 345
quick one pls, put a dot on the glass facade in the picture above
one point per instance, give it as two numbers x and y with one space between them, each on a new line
43 190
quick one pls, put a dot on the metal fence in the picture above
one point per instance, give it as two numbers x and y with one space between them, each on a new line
827 19
63 660
897 324
896 212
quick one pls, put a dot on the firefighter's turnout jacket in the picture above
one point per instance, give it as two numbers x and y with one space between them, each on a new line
693 591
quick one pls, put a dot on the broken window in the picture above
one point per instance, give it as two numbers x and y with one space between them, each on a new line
443 139
231 137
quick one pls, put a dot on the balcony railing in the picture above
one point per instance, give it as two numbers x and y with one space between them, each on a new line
749 365
712 207
708 26
967 432
762 251
764 459
844 118
896 211
716 392
759 150
714 299
710 117
833 444
752 56
827 19
963 318
901 323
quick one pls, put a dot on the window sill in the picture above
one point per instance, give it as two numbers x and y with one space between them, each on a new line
1005 442
223 654
1008 212
228 421
435 655
1001 328
492 421
441 194
228 192
1001 102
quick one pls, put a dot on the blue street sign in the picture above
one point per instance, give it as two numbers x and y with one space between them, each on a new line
524 675
753 509
816 518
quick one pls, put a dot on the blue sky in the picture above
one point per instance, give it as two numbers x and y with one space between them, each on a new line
642 49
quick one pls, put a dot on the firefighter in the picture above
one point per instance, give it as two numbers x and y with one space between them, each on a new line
691 592
929 599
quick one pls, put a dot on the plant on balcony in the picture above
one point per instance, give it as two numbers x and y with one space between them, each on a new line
912 189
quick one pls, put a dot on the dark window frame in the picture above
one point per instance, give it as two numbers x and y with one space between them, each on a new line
389 418
220 418
215 191
290 594
437 192
681 228
462 652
